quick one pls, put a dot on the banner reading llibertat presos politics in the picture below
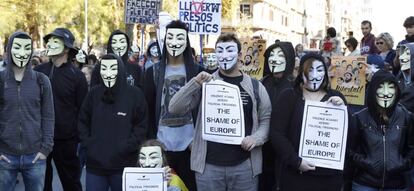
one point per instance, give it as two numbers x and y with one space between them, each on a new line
201 16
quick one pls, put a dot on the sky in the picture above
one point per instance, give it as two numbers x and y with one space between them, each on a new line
389 16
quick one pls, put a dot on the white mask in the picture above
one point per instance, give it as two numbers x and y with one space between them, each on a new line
154 51
386 94
109 71
150 157
20 51
227 53
80 57
119 44
405 59
211 61
277 60
316 76
55 46
176 41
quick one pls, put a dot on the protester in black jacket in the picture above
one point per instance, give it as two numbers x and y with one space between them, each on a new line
69 88
120 45
112 124
383 149
406 76
278 68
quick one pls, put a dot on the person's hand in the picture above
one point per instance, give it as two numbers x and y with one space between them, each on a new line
248 143
2 157
168 174
306 166
335 100
203 77
39 156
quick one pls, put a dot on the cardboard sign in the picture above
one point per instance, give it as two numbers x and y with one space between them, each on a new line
324 134
222 115
349 77
201 16
144 179
252 60
142 11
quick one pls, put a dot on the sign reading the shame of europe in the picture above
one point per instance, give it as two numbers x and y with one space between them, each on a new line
201 16
222 114
141 11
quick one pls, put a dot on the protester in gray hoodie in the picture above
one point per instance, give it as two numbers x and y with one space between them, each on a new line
27 118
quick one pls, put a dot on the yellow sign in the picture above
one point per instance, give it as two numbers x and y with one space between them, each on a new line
252 60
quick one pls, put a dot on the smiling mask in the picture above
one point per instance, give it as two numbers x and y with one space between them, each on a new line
316 76
154 51
405 61
176 41
227 53
20 51
109 71
211 61
55 46
150 157
277 60
386 94
119 44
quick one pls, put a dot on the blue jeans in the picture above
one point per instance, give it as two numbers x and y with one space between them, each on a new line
103 183
359 187
33 174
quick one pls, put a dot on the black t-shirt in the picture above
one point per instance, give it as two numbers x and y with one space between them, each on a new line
230 155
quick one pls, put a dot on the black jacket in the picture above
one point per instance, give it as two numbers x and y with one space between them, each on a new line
382 150
407 92
69 88
133 71
112 131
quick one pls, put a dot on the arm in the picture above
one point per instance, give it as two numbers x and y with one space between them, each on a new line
81 90
140 124
150 97
84 119
187 98
95 76
263 114
48 117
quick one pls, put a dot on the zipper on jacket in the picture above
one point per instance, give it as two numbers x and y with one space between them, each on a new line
20 119
385 166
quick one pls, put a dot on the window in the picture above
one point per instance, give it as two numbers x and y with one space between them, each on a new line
245 9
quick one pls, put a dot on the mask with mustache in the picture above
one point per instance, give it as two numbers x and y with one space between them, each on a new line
386 94
119 44
227 53
176 41
55 46
405 58
109 71
316 76
277 60
20 51
154 51
150 157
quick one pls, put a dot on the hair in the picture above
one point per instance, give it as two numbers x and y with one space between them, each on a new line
389 41
229 37
409 22
331 32
193 52
364 22
297 46
305 64
93 58
154 142
353 42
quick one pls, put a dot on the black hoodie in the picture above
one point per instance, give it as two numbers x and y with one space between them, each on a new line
133 71
112 130
407 92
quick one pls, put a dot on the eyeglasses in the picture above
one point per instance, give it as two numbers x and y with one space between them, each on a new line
379 43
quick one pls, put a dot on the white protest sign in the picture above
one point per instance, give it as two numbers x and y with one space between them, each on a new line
324 134
201 16
141 11
164 20
222 114
143 179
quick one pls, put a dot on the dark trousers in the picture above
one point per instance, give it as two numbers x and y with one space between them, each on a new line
67 165
103 183
180 163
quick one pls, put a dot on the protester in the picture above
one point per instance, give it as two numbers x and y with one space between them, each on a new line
153 54
112 122
368 41
134 57
92 59
152 155
406 76
330 45
312 84
383 150
210 62
119 44
279 60
27 118
352 45
299 51
69 89
80 59
385 42
409 28
217 165
162 81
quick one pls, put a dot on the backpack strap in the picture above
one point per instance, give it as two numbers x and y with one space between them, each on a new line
256 92
40 81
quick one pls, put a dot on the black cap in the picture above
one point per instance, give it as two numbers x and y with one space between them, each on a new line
66 35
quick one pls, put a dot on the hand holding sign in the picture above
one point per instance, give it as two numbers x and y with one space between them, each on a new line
306 166
203 77
335 100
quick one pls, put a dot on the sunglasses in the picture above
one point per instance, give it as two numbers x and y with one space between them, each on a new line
379 43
